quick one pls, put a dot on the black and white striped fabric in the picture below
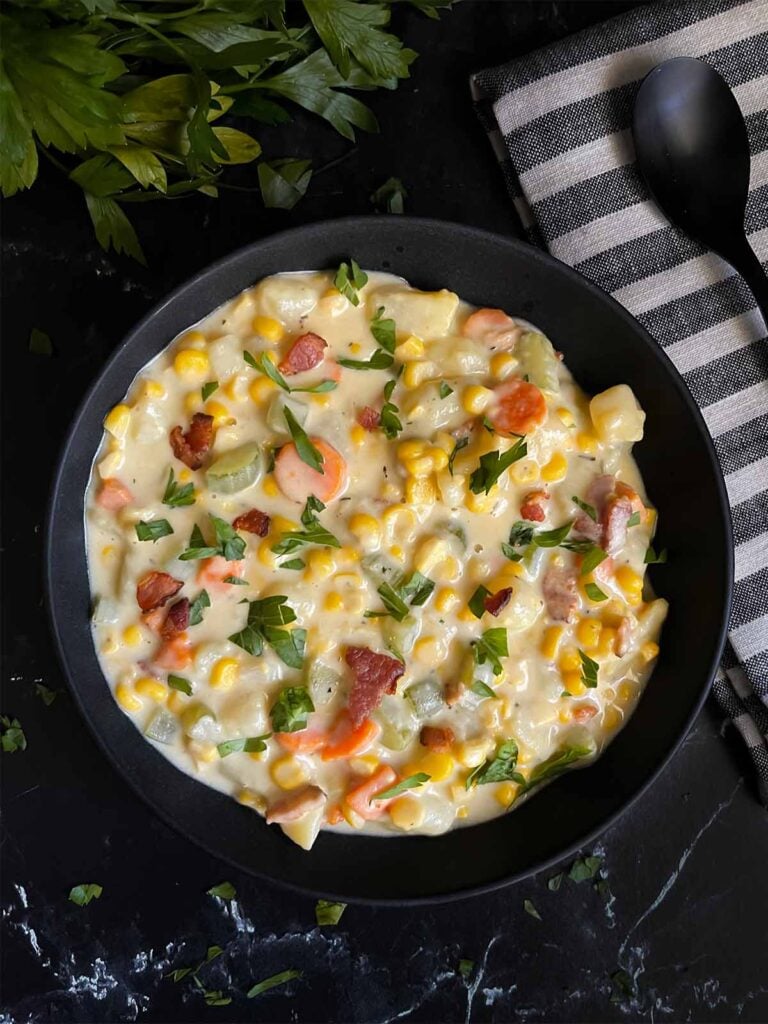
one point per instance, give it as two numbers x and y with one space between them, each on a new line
559 121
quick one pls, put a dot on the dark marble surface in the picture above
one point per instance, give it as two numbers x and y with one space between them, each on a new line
684 908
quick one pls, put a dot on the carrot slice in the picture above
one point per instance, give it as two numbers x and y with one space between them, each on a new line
174 653
113 495
213 571
347 740
360 798
334 815
305 741
298 481
484 321
520 408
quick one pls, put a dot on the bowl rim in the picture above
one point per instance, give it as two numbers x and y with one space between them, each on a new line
470 232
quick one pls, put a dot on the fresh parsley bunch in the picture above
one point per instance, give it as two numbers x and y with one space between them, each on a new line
125 96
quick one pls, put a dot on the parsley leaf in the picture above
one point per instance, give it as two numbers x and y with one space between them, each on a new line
224 891
12 737
208 389
389 197
584 869
178 496
552 538
466 967
268 983
230 545
634 519
493 464
395 596
283 182
383 330
585 507
651 558
196 607
476 603
253 744
153 530
531 909
180 683
462 442
380 360
556 764
589 670
40 343
293 563
268 368
554 883
411 782
328 912
353 31
490 647
262 627
521 534
499 768
482 689
313 533
290 710
594 593
84 893
444 390
46 695
392 601
304 447
350 279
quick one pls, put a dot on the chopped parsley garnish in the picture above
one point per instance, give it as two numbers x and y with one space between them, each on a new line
177 496
411 782
84 893
12 736
313 533
262 627
181 684
589 670
552 538
488 425
585 507
466 967
349 280
622 987
651 558
591 558
215 997
462 442
224 891
268 983
196 607
521 534
594 593
556 764
389 420
268 368
383 330
212 953
554 883
499 768
304 447
445 389
389 197
493 464
392 601
584 869
153 530
293 563
208 389
290 710
46 695
482 689
236 581
251 745
476 603
328 912
412 588
531 909
634 519
491 646
229 544
40 343
380 360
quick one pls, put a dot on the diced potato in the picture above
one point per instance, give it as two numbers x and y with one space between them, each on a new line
616 414
286 298
304 831
226 356
523 608
425 314
245 714
459 356
538 360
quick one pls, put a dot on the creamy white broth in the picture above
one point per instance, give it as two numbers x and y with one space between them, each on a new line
391 509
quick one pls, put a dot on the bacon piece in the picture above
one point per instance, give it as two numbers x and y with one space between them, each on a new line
614 519
192 447
295 805
305 353
599 491
559 587
623 636
368 417
629 492
453 692
375 675
437 739
154 589
154 620
494 603
177 619
532 507
584 712
113 495
253 521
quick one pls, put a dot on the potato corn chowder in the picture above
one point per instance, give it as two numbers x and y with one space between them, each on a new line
367 558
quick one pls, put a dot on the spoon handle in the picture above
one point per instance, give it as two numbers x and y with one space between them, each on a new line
748 265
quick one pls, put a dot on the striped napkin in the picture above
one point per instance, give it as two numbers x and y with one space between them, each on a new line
559 120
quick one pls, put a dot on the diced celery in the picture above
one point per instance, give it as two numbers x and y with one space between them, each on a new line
106 612
398 722
276 420
538 360
162 727
236 469
323 682
379 569
454 527
400 636
426 696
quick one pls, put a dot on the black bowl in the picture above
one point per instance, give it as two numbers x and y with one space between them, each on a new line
603 345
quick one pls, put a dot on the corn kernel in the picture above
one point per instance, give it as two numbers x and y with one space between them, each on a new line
391 492
475 399
127 700
446 599
410 348
116 421
193 402
334 602
478 570
221 414
185 475
193 339
191 362
417 372
462 812
266 555
420 467
411 449
649 651
288 772
551 641
152 688
564 715
555 469
572 682
110 646
261 389
430 552
351 817
175 701
505 793
320 564
438 767
349 554
607 643
586 443
502 364
525 472
258 755
267 328
465 614
449 570
626 692
426 649
108 552
357 434
270 487
132 636
480 503
153 389
489 714
365 765
439 458
565 416
588 633
203 753
231 388
421 492
472 753
406 813
225 673
569 660
631 584
611 718
367 530
248 798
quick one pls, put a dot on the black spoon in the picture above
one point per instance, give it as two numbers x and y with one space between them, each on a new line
693 151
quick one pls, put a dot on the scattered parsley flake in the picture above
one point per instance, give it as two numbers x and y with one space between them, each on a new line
153 530
349 280
12 737
328 912
589 670
276 979
46 695
411 782
531 909
177 496
493 464
224 891
584 868
180 683
85 892
208 389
